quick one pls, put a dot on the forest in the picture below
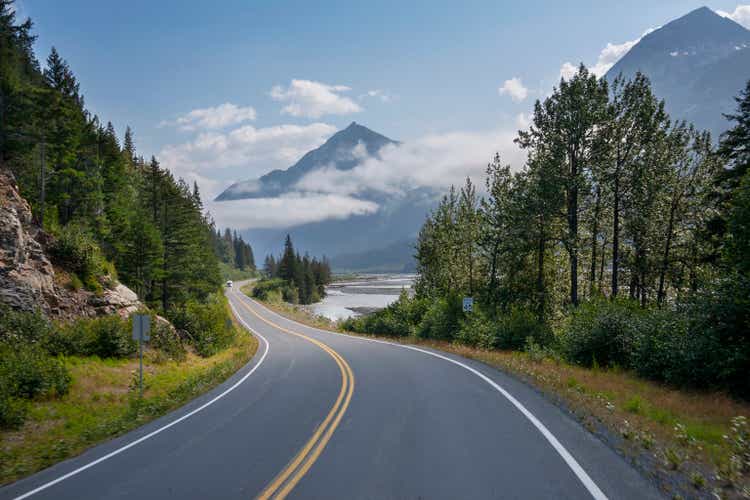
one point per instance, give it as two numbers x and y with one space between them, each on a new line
624 241
108 215
110 211
293 278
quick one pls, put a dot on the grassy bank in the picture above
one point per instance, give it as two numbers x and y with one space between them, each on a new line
103 402
691 441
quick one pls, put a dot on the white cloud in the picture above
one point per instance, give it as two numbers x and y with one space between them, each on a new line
608 57
436 161
381 95
515 89
288 210
740 15
568 70
222 116
523 120
314 99
247 152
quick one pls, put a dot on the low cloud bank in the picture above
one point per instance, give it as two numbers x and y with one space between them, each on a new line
288 210
435 161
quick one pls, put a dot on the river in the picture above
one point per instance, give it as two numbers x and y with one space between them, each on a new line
360 295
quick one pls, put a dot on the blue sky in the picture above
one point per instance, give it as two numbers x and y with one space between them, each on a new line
434 69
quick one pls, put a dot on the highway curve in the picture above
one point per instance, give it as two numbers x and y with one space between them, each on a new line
322 415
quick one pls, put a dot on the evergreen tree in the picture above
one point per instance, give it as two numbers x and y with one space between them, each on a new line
287 267
270 267
128 147
735 142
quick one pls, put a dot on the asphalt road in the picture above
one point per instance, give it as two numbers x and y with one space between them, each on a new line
323 415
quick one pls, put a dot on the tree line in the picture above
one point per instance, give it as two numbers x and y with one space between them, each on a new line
233 250
299 279
621 219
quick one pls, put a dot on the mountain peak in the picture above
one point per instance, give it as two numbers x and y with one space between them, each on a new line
353 135
344 150
697 27
696 63
702 17
701 11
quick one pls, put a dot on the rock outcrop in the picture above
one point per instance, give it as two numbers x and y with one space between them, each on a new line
27 276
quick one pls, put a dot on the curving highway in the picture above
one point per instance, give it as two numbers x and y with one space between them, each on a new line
322 415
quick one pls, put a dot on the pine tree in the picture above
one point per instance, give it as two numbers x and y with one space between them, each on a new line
270 267
287 267
129 145
735 142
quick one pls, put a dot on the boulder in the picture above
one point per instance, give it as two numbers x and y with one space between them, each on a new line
27 276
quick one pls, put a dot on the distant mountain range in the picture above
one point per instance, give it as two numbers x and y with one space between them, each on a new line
379 242
696 63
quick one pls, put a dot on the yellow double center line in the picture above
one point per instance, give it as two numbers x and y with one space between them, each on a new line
288 478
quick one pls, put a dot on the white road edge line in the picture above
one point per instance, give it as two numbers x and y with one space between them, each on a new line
581 474
160 429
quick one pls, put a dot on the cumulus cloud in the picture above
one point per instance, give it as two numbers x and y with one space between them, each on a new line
436 161
247 151
741 15
515 89
217 117
286 211
608 57
311 99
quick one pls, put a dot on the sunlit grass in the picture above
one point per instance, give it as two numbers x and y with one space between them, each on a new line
103 403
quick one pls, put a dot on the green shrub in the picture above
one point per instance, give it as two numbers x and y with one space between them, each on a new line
520 324
27 371
477 330
660 345
442 320
12 410
600 332
75 282
207 325
290 294
398 319
386 322
509 331
106 337
262 289
26 368
167 340
23 326
76 250
721 332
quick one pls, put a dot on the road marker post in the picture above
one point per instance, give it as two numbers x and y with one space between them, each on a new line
141 328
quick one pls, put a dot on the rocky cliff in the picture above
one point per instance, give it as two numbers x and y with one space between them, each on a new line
29 280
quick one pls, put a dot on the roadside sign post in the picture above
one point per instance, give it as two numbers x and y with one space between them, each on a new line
141 328
468 304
